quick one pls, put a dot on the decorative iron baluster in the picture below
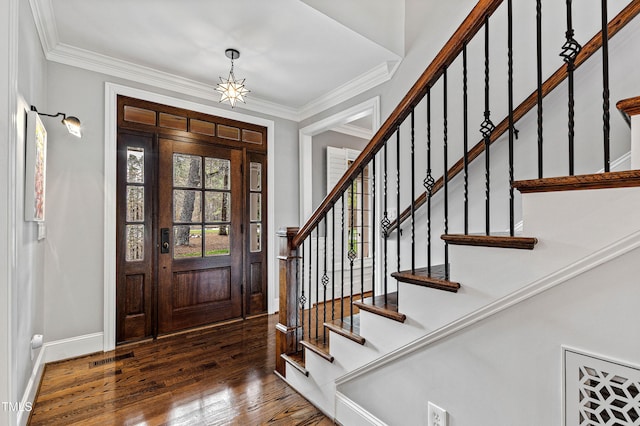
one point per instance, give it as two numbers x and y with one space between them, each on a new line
385 223
342 261
605 87
361 251
510 90
445 176
373 228
539 77
486 128
398 229
429 182
333 262
317 278
310 281
325 282
413 194
352 252
465 138
570 50
300 298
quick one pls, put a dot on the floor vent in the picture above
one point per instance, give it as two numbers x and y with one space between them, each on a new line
111 359
599 392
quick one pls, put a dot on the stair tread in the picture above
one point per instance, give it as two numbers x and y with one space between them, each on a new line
377 305
434 278
630 106
624 179
348 327
296 360
495 240
319 347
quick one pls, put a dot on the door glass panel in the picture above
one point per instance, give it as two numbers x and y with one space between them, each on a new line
256 207
217 172
217 206
135 203
187 241
187 171
217 241
255 179
256 243
135 165
135 243
187 206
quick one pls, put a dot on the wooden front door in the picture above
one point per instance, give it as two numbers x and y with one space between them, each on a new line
191 215
200 221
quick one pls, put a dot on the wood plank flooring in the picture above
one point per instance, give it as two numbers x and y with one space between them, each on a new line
215 376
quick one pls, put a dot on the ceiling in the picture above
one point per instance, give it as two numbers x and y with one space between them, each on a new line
298 57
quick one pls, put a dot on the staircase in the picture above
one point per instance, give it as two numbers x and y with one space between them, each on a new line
355 352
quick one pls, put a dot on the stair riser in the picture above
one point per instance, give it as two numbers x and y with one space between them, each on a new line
350 355
384 334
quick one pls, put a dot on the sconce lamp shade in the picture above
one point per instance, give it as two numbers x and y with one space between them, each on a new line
73 125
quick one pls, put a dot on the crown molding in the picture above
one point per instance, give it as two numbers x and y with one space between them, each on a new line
355 131
56 51
374 77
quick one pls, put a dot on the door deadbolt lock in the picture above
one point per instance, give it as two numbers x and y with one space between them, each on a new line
164 240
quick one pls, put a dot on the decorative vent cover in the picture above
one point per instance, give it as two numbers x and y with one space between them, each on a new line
600 392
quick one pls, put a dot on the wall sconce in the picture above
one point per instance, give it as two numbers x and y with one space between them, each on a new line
72 123
232 90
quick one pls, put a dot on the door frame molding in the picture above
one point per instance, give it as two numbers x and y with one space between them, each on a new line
112 90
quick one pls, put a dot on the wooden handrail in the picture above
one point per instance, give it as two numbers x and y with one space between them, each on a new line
615 25
465 32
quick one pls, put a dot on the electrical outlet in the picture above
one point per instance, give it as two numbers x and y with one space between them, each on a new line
437 416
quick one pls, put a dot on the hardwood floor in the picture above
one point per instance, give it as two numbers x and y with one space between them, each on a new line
216 376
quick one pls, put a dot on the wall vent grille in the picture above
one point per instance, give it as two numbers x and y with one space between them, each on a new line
600 392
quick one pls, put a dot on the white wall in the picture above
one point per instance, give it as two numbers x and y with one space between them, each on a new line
507 369
74 256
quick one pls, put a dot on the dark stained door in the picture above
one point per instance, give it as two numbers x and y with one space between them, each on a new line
255 238
134 227
200 219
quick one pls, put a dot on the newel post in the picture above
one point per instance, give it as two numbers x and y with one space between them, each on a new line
286 328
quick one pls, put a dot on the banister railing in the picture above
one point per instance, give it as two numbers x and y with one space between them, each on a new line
465 32
328 267
592 46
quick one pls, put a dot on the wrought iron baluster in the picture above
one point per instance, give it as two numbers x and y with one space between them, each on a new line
333 262
342 260
570 50
303 298
465 138
429 181
385 223
362 235
413 194
373 228
446 173
605 87
510 90
325 282
352 252
310 281
398 229
539 77
317 278
486 128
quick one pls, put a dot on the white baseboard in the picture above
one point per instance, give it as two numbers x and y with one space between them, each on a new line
29 396
73 347
350 413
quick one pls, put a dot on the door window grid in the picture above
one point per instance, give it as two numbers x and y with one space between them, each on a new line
255 206
197 234
134 221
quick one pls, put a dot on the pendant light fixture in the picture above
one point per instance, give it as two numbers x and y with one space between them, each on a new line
232 90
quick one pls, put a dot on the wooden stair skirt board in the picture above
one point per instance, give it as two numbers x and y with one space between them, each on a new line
349 328
500 241
624 179
296 361
378 306
318 347
424 277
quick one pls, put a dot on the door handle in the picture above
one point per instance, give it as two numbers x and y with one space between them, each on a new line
164 240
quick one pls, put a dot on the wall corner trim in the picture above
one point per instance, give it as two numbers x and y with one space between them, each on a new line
349 411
